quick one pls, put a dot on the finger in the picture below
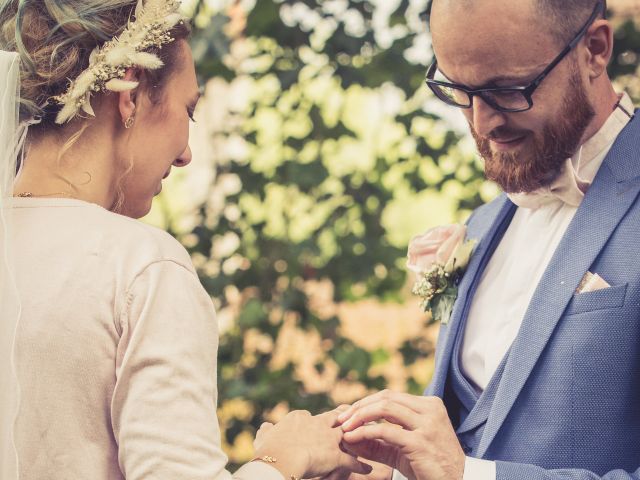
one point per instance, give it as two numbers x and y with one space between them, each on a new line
374 450
335 413
357 476
266 426
330 418
387 410
300 413
419 404
366 401
352 464
338 474
389 434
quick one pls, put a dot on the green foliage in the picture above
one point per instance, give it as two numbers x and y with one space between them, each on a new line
337 158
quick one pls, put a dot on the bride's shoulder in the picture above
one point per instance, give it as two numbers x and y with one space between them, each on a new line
140 243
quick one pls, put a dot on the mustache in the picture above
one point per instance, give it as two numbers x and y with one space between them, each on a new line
498 133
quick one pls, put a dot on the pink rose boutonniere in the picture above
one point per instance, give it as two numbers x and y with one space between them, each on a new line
439 257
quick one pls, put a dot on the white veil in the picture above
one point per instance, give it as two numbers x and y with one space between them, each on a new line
11 137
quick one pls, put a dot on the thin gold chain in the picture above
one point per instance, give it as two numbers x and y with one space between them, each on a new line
55 194
31 195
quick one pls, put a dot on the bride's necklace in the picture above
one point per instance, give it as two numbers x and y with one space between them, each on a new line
56 194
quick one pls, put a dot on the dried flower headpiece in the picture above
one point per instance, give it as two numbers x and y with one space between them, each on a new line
108 63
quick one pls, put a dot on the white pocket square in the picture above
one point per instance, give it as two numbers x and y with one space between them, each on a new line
591 282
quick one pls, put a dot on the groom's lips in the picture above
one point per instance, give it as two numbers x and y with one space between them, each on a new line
506 144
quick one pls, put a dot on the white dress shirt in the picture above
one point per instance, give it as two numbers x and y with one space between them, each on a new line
516 267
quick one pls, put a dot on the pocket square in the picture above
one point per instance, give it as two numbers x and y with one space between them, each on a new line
591 282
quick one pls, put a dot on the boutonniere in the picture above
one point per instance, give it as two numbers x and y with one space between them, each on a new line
439 257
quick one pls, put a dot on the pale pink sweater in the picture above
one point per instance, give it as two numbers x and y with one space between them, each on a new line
116 351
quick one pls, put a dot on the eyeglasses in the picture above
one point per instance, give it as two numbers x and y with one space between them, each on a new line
502 99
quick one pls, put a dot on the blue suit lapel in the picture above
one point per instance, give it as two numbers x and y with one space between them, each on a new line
613 192
485 230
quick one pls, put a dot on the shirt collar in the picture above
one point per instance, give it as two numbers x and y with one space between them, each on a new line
578 172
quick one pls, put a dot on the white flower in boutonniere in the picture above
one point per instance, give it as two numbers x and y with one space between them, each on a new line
439 257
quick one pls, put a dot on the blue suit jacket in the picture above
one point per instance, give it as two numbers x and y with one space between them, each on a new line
568 403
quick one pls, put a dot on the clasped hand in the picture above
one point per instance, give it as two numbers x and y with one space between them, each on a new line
416 437
306 445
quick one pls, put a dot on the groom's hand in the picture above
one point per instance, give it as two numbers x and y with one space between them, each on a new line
425 447
379 472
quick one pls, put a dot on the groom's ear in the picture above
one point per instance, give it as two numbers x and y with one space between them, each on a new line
599 50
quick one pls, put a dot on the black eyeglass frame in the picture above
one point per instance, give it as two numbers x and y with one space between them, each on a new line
527 92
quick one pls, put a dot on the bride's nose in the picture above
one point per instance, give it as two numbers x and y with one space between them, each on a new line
184 159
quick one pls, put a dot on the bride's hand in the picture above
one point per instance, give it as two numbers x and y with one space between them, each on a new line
306 445
417 439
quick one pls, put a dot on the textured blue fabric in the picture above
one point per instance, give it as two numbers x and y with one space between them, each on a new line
567 405
467 407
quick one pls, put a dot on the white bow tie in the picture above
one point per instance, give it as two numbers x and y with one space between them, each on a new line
568 187
578 172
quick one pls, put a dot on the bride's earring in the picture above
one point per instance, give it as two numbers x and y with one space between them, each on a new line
128 123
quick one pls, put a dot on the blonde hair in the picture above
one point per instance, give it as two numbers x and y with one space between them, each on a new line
54 39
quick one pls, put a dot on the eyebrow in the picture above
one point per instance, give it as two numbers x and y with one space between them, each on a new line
492 81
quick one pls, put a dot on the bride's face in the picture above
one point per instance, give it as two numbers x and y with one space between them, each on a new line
159 139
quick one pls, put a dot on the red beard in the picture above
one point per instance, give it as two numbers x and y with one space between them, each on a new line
537 167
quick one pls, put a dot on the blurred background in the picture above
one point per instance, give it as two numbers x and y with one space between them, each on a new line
318 153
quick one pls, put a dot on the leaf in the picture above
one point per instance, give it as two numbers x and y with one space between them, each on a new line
117 85
93 57
82 84
443 305
461 255
117 56
67 112
145 60
86 106
172 20
139 9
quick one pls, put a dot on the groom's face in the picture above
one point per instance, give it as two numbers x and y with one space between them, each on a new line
501 43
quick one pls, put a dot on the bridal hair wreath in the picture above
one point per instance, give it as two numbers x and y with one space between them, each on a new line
108 63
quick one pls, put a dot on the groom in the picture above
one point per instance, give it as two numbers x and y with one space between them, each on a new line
538 369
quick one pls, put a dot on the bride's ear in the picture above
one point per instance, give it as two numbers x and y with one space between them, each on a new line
128 97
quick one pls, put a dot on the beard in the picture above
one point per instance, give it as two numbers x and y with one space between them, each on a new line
539 165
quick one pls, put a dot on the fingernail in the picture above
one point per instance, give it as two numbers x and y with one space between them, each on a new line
344 416
346 426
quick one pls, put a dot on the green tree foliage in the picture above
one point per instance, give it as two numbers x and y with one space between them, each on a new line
332 154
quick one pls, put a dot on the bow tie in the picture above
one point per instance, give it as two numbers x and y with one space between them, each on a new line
568 187
578 172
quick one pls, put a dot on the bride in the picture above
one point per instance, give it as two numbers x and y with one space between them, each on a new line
107 339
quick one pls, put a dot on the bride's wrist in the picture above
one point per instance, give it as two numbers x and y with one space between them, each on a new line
290 465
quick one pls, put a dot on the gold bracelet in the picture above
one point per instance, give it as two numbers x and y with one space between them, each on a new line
271 460
265 459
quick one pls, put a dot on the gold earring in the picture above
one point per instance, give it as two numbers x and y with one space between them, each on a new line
128 123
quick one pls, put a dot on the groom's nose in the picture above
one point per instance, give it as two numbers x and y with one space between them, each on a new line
483 118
